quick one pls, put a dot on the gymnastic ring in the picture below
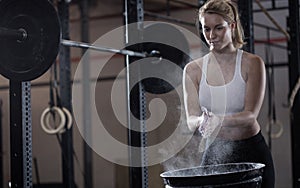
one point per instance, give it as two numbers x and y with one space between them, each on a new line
59 129
67 115
272 123
45 123
45 117
69 119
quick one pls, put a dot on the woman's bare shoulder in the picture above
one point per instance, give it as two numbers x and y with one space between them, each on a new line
195 65
252 61
252 58
194 69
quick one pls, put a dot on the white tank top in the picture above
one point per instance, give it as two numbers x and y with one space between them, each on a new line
225 99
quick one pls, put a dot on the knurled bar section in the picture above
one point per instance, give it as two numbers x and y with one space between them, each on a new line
27 134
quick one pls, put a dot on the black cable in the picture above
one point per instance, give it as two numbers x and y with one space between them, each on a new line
36 169
271 102
55 85
57 102
75 157
51 95
273 91
270 95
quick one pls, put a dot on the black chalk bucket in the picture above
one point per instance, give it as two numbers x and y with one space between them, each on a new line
231 175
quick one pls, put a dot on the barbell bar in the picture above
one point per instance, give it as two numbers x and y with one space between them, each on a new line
71 43
30 38
21 35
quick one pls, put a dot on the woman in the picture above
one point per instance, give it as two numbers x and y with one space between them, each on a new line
224 91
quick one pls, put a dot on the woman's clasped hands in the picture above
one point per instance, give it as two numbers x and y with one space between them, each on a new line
208 123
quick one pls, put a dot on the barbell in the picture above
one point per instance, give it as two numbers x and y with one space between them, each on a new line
30 38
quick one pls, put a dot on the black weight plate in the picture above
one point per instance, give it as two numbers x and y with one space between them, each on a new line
174 48
28 59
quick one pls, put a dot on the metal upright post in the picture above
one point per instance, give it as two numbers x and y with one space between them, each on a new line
138 176
87 151
65 94
20 134
294 72
246 16
1 146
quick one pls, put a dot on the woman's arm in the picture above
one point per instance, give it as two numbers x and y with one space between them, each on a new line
191 77
254 95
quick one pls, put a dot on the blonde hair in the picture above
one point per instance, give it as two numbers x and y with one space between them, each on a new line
228 10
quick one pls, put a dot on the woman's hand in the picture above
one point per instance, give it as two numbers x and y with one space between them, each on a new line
203 124
209 124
